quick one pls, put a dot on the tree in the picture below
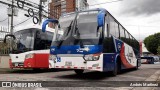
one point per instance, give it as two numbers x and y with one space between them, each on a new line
152 43
158 50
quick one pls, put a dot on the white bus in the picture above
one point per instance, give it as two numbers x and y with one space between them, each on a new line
31 48
93 40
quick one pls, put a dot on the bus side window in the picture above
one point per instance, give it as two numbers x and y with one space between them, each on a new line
116 26
113 26
108 44
122 35
106 27
127 37
46 39
38 41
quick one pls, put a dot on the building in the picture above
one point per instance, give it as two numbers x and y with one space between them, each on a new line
143 50
81 5
58 7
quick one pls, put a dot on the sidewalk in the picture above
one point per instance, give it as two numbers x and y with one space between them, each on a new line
154 77
4 61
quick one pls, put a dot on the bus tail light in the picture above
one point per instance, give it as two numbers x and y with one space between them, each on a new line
29 56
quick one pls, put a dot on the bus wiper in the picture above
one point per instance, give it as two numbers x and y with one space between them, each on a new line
80 41
68 30
78 35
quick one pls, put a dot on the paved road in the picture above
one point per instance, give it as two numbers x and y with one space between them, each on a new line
144 72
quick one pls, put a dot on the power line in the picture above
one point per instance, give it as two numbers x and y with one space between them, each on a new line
22 22
26 19
3 20
57 13
32 2
2 2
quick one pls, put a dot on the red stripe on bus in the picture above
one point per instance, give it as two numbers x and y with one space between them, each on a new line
98 67
62 66
123 58
89 67
82 67
57 66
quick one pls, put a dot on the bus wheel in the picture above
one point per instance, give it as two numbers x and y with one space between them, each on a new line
79 72
136 68
36 69
115 71
152 61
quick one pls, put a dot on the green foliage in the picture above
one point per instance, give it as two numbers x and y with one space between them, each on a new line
158 50
152 43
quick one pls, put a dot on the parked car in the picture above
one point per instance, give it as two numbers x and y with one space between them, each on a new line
147 60
156 58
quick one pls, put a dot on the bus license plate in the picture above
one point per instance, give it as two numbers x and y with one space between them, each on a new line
68 63
16 64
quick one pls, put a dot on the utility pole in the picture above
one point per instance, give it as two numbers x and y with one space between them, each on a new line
11 29
12 17
40 12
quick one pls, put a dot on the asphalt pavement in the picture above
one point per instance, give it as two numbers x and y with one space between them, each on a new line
88 81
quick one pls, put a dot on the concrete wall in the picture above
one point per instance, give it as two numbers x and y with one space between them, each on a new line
4 61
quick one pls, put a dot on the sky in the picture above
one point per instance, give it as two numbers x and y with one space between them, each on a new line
140 17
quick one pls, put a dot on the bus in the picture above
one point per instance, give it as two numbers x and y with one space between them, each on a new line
30 49
93 40
147 60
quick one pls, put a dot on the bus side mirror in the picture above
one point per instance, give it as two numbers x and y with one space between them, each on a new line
4 41
46 22
100 19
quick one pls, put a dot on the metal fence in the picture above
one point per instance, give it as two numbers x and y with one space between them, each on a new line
4 52
4 48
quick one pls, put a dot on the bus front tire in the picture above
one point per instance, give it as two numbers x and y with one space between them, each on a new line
136 68
115 71
36 69
79 72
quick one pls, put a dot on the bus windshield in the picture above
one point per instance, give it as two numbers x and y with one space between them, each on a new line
25 40
83 29
86 25
63 29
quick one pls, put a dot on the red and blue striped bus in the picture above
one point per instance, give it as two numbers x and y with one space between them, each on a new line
92 40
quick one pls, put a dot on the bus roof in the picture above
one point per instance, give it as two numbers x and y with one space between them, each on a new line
96 9
34 26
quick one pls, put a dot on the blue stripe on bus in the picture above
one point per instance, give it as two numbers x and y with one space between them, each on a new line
108 62
110 59
75 49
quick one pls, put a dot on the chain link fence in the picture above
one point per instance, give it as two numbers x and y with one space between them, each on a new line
4 47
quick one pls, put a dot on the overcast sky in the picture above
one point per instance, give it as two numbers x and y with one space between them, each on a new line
140 17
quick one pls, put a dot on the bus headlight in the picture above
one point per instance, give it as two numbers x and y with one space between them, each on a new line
91 57
52 57
29 56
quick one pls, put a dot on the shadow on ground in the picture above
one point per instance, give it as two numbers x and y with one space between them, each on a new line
28 71
93 75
